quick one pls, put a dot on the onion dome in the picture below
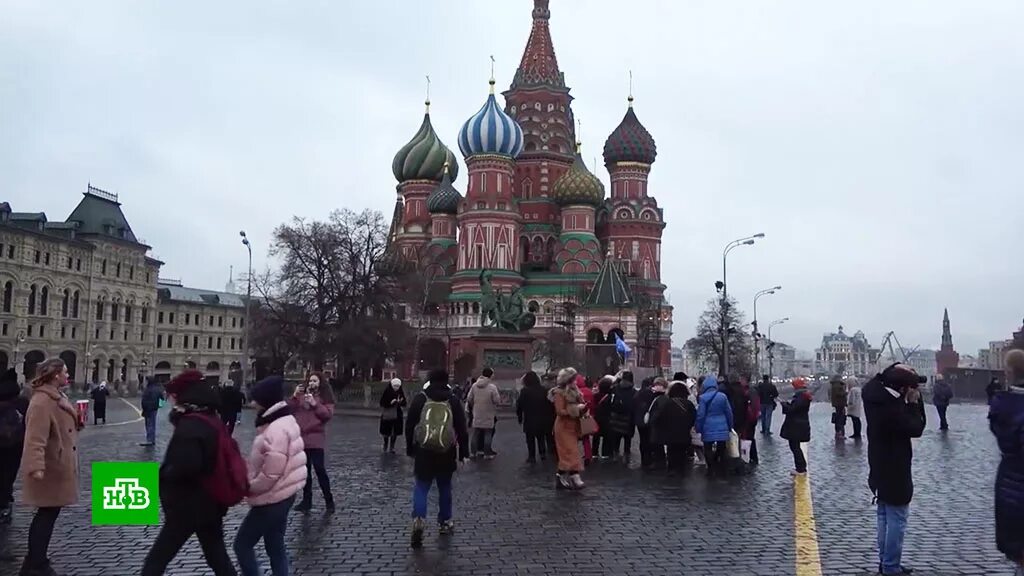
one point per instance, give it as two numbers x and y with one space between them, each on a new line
445 198
578 185
630 142
425 156
491 131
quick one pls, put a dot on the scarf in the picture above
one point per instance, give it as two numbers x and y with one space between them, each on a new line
266 416
183 408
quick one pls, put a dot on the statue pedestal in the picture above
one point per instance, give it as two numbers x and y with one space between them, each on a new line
509 354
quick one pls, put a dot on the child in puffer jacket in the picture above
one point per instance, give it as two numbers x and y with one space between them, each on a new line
277 471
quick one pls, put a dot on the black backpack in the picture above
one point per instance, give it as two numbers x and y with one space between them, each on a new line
12 426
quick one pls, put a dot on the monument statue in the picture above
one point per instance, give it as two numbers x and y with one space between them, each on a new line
504 312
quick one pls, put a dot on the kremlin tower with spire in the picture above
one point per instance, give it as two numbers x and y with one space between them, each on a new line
539 222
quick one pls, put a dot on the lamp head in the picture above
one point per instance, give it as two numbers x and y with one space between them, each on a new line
759 235
719 285
245 241
777 288
748 242
242 233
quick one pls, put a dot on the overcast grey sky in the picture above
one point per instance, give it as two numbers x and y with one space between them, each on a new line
878 144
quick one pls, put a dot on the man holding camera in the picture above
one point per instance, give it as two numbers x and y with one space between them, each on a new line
895 414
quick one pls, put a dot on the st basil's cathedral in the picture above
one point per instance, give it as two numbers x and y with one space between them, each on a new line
539 223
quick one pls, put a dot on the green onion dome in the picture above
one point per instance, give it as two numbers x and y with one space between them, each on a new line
424 157
445 198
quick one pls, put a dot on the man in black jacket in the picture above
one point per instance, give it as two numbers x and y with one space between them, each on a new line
768 393
895 414
231 400
642 402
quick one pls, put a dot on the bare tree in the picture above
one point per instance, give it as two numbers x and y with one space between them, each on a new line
328 298
708 342
556 348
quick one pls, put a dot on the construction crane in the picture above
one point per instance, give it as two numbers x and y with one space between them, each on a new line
904 355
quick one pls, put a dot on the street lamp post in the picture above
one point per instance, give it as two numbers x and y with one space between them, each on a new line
748 241
248 305
757 335
771 351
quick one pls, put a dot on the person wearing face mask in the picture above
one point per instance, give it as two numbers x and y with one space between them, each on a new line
895 414
392 402
313 406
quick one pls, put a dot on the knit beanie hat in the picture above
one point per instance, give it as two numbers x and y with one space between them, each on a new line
268 391
9 388
182 382
799 383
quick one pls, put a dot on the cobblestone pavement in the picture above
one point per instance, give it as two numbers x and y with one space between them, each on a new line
512 521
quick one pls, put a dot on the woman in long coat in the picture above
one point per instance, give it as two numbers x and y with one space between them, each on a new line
49 466
391 404
569 408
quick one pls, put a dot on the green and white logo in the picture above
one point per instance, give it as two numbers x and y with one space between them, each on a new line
125 493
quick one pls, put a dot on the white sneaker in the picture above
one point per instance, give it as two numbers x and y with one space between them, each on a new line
576 481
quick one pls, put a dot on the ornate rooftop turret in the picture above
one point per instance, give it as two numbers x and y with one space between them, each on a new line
578 185
445 198
424 157
491 131
630 141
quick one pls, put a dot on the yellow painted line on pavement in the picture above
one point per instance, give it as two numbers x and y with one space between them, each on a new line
808 561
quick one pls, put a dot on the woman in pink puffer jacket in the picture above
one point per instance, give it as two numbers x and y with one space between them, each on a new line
277 471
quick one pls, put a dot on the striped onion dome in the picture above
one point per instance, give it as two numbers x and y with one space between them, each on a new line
445 198
578 185
491 131
425 156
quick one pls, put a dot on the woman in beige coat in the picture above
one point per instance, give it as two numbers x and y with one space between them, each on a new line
49 466
569 408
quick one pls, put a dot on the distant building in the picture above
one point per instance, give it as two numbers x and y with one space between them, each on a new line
86 290
967 361
946 357
678 360
780 361
991 358
841 354
923 362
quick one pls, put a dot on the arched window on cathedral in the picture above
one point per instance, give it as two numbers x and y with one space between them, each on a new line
32 294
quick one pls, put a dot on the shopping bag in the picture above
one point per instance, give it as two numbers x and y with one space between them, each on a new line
732 446
745 450
588 426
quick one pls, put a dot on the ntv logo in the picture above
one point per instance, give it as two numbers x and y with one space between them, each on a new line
125 493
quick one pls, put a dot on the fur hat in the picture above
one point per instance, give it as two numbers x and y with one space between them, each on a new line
565 376
9 388
184 381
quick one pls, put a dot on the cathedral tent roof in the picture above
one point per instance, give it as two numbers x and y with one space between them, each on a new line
610 289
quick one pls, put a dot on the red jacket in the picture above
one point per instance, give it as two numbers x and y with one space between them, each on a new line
753 412
587 393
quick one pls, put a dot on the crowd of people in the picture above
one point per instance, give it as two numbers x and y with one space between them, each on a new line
678 423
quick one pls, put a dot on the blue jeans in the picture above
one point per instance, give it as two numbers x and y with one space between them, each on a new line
766 417
482 438
892 525
444 498
269 523
151 427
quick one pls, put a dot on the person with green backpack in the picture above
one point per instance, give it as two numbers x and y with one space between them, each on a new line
437 438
